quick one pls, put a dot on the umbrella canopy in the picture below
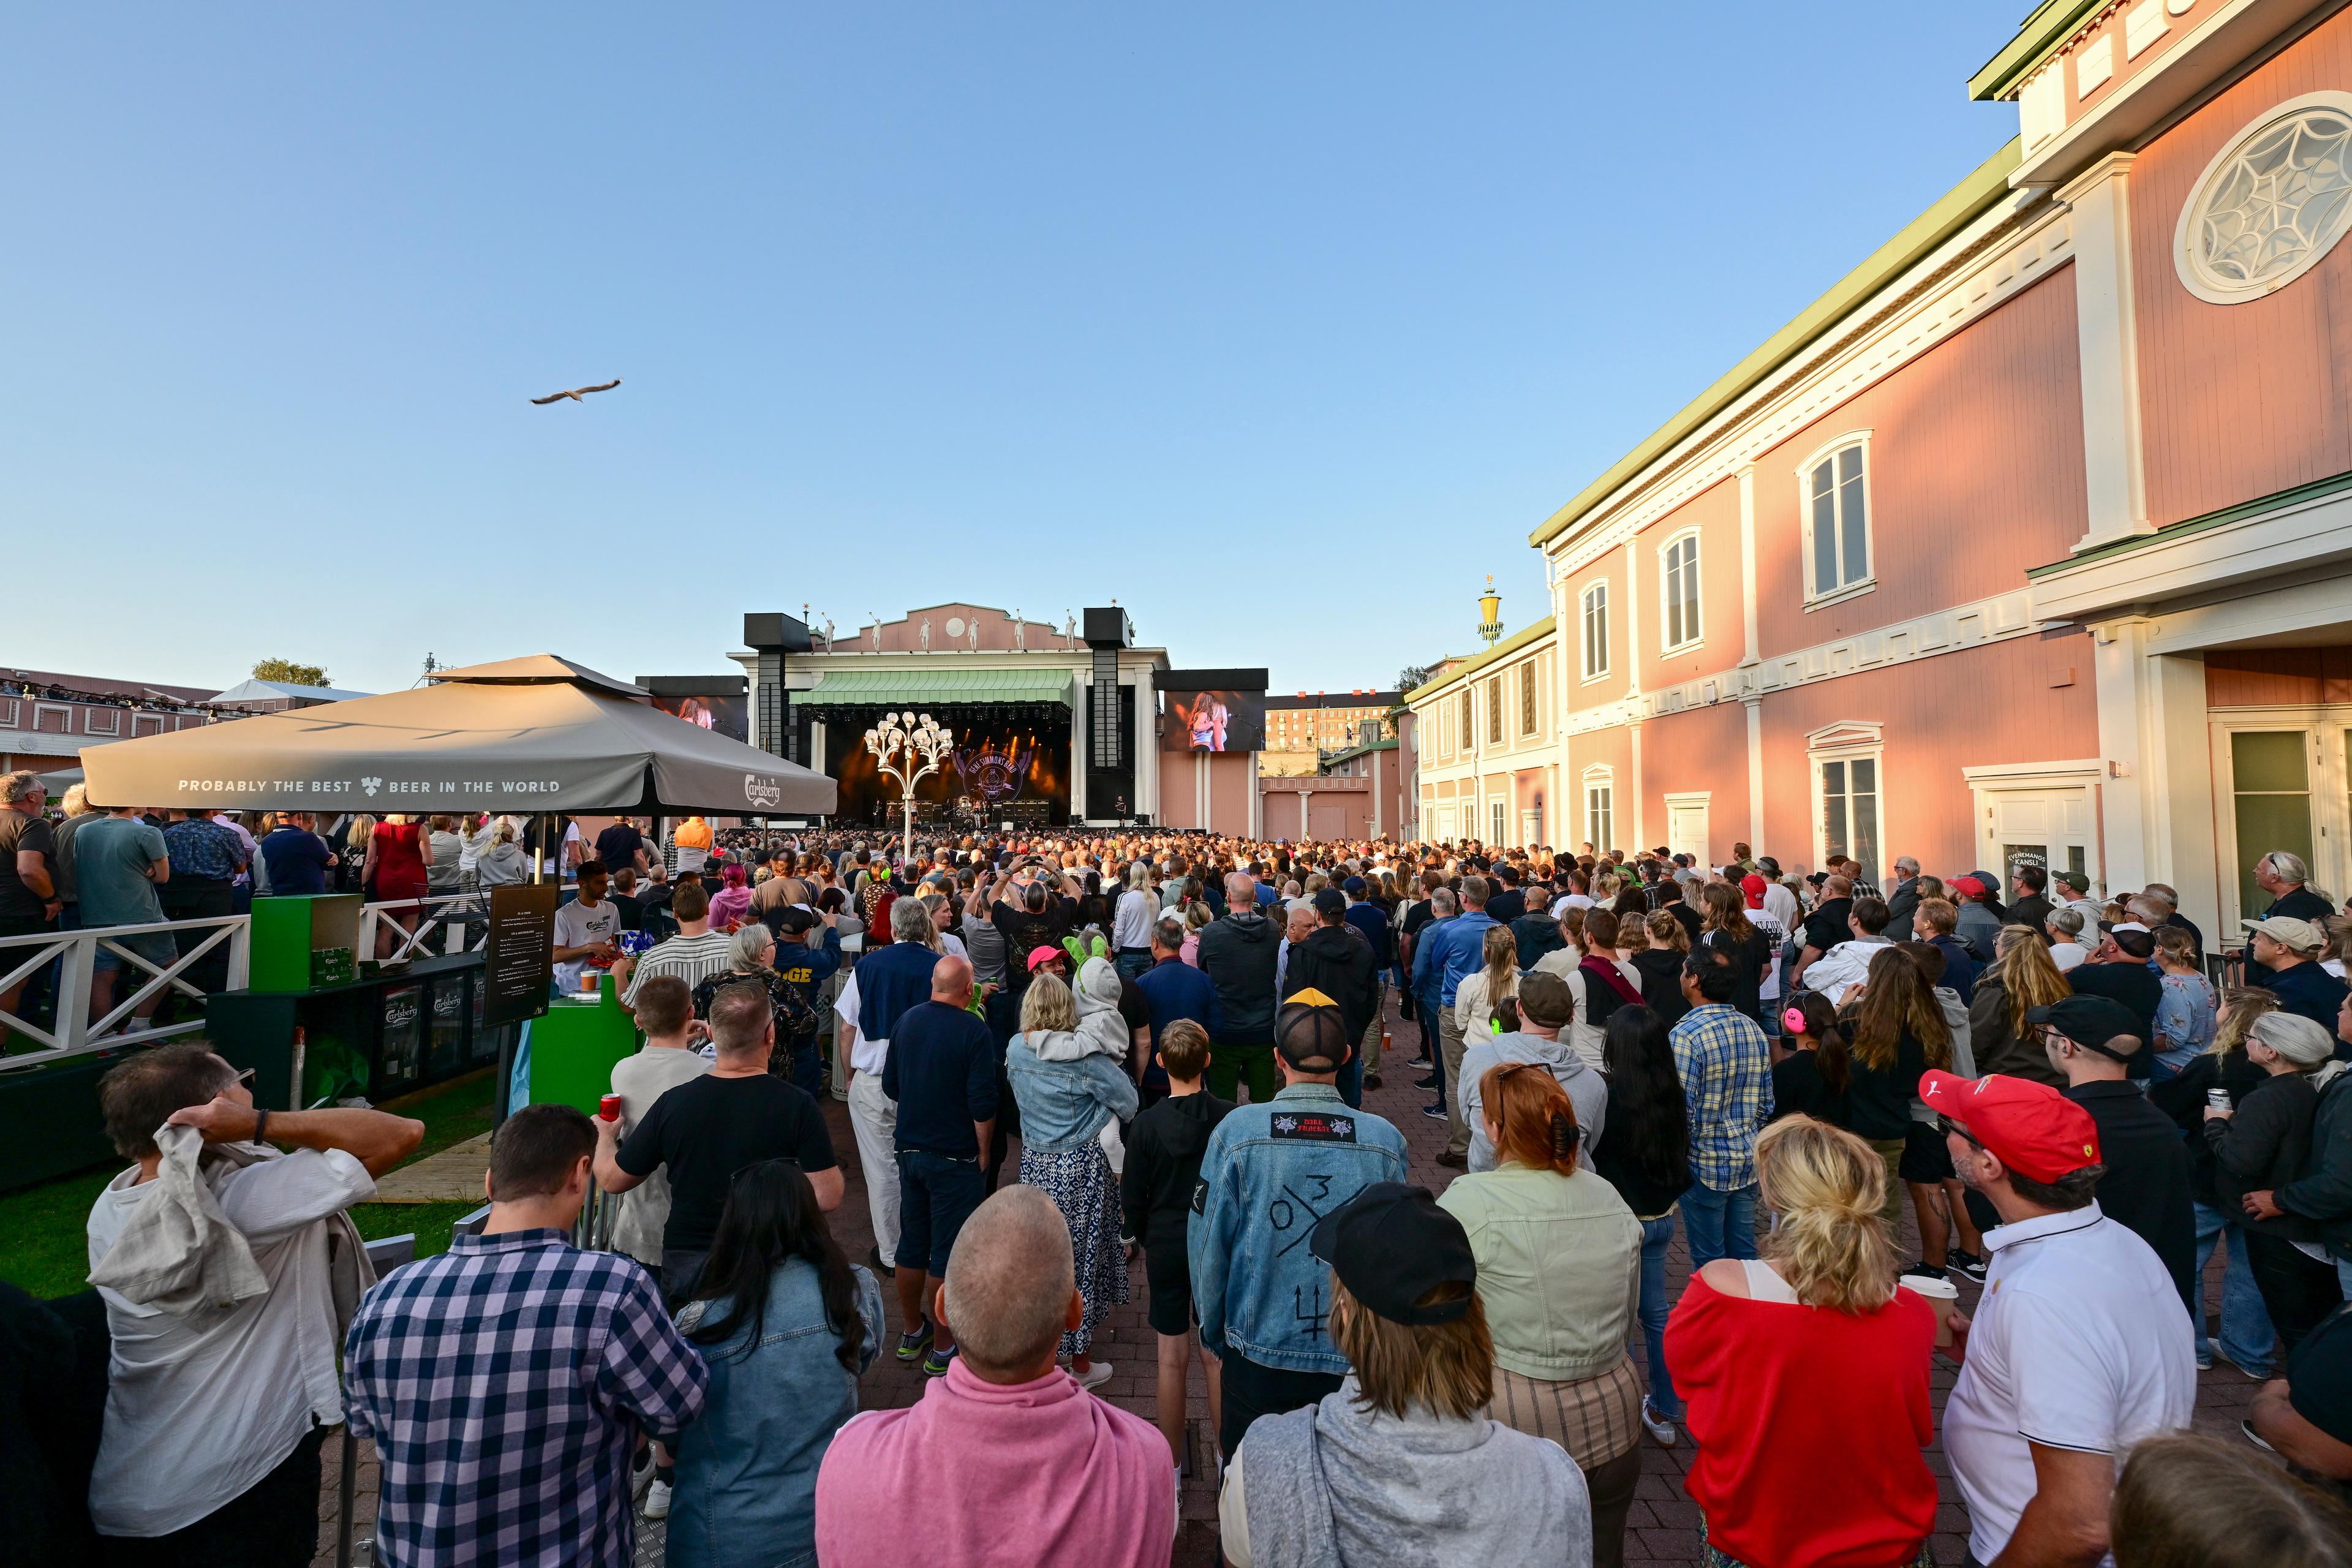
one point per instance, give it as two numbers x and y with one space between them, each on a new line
538 733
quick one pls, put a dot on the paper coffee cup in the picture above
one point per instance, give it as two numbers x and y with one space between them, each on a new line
1928 1285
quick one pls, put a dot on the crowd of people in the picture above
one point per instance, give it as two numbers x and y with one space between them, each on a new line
1178 1032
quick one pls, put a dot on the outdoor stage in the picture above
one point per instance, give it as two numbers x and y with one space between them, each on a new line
1010 761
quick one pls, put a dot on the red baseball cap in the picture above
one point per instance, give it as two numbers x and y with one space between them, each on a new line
1752 888
2038 1133
1968 887
1038 955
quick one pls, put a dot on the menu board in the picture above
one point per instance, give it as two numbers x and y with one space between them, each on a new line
518 964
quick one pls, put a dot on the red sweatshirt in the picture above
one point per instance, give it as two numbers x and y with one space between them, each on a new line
1809 1424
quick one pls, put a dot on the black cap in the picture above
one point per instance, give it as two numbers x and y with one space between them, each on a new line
1312 1037
2089 1022
795 920
1391 1244
1329 901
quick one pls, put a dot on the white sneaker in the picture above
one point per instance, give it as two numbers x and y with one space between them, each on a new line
1662 1431
657 1500
1094 1376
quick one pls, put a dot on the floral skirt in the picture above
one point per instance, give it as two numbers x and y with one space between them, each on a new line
1079 1181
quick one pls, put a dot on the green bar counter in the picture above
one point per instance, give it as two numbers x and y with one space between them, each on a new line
574 1046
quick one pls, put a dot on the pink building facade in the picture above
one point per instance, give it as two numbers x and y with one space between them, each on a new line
2031 541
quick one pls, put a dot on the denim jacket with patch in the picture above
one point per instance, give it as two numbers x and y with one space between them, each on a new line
1270 1172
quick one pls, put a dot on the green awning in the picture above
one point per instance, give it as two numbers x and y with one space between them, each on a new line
937 688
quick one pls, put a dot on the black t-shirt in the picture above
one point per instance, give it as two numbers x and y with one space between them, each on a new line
2319 1377
708 1129
1023 933
1798 1091
618 845
2303 904
18 833
1692 923
1826 926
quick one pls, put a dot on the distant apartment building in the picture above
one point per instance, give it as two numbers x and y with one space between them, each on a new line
1299 729
47 718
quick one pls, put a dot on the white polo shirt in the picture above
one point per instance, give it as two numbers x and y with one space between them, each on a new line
867 1055
2072 1348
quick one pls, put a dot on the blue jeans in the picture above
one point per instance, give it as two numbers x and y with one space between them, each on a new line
1657 1233
1429 1044
2246 1335
808 1070
1718 1225
1131 962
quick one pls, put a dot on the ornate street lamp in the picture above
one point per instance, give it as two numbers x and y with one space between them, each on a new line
900 743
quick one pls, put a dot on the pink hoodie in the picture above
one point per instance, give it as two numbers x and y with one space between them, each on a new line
982 1475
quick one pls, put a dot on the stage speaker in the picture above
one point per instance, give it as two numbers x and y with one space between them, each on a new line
774 629
1109 628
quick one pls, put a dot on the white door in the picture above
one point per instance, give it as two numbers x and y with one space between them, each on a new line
2045 828
1687 828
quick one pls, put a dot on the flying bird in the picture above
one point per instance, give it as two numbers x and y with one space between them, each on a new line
576 392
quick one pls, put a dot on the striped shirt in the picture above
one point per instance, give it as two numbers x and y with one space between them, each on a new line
1725 1066
693 959
505 1383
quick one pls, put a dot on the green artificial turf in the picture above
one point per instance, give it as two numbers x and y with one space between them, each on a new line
44 1245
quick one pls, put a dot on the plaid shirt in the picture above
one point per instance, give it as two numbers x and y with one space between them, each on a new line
505 1383
1726 1073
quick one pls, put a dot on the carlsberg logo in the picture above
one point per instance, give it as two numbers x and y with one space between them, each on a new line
766 792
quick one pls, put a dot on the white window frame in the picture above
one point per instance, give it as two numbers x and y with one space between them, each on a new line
1589 609
1498 819
1600 777
1848 741
9 706
1816 596
2187 263
64 712
1696 631
149 724
90 717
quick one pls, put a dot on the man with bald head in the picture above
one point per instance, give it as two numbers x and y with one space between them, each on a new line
1005 1458
941 1069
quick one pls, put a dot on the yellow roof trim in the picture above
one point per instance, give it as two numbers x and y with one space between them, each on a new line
1504 649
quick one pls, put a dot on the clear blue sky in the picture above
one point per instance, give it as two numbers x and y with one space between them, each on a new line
1282 325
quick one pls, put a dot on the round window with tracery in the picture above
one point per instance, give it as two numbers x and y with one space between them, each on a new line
2275 202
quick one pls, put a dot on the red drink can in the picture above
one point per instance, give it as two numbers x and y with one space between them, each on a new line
609 1108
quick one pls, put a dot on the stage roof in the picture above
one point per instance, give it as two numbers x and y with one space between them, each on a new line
874 688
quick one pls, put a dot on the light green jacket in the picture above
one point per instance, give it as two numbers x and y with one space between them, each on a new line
1560 1267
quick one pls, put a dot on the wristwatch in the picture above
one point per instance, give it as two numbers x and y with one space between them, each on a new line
260 1126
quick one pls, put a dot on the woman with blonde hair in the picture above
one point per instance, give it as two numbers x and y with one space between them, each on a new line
1560 1258
2022 977
351 856
1066 1098
499 862
2249 1341
1485 992
1812 1349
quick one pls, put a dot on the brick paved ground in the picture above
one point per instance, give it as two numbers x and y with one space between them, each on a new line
1663 1528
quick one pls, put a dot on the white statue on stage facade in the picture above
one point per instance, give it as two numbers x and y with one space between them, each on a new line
828 634
926 634
1020 632
874 632
1069 631
975 625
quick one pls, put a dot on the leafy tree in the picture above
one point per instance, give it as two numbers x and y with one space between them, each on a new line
1413 675
291 673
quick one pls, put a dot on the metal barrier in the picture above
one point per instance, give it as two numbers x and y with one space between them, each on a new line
73 1032
449 923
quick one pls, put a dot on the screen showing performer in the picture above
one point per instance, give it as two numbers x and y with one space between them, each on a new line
727 715
1214 720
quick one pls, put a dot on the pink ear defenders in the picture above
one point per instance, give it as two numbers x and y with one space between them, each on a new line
1793 1020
